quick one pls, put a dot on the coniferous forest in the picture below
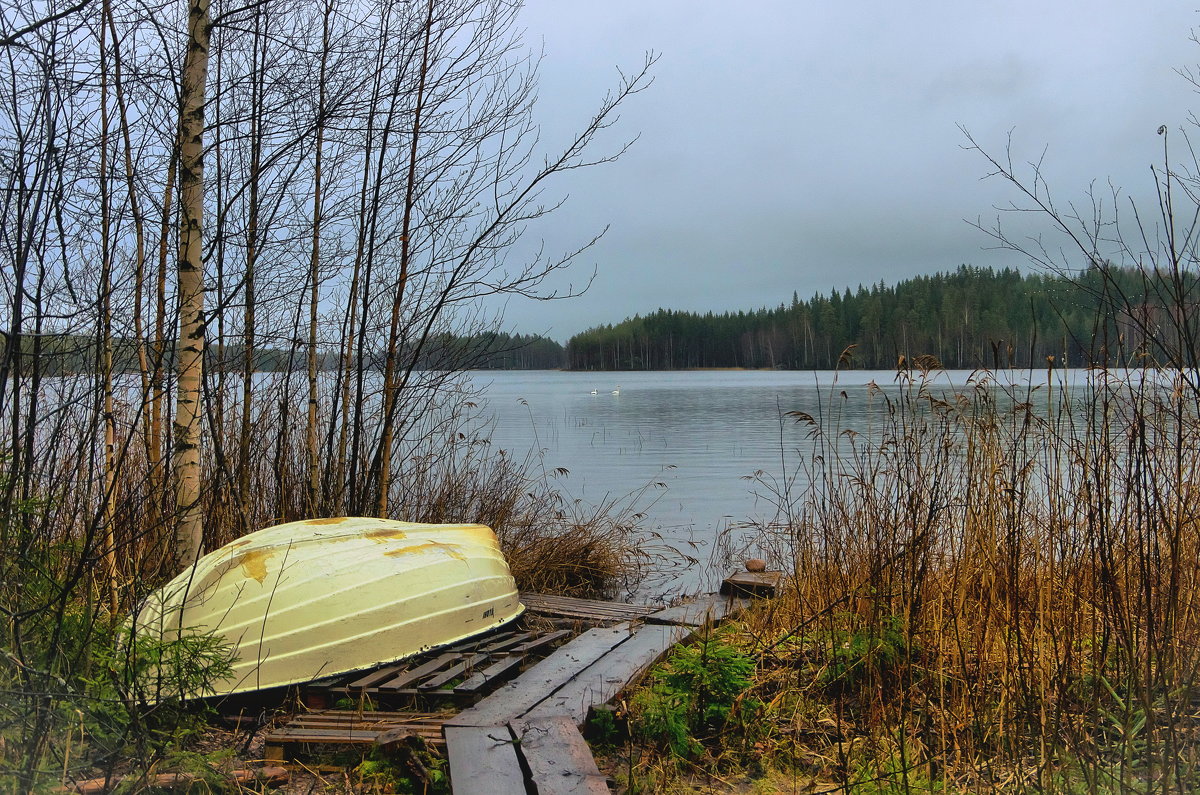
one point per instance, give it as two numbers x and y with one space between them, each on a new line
968 318
69 354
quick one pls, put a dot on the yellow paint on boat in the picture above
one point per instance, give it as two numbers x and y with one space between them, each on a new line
445 549
254 563
317 598
385 533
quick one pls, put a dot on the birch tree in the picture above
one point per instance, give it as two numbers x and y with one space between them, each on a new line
190 282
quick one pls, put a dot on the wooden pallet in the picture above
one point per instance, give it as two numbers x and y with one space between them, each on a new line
350 727
591 611
452 674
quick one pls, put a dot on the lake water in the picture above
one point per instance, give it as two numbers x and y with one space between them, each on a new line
696 438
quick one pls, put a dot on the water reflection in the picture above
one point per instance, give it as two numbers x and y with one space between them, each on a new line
696 438
705 441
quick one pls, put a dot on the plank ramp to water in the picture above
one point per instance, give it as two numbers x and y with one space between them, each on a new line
543 708
535 685
484 761
560 762
600 682
712 608
594 610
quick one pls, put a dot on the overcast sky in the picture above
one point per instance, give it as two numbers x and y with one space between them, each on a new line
805 146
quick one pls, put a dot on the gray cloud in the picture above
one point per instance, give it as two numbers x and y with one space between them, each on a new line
789 146
1001 78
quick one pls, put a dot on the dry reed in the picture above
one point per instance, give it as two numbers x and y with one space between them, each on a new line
58 671
994 588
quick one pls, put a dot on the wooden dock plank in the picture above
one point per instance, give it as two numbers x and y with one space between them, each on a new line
595 609
560 762
710 608
483 761
473 644
600 682
453 672
752 583
507 643
408 677
548 639
518 697
495 673
378 675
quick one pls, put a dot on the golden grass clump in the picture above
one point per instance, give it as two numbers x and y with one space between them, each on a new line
993 589
80 557
445 474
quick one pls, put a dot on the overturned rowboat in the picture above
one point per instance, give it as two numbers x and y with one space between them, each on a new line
321 597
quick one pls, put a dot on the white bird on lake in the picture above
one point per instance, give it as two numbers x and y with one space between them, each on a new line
617 391
593 392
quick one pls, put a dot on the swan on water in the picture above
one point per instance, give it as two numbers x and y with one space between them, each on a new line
617 391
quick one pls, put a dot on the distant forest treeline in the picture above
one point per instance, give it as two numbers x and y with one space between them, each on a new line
65 354
967 318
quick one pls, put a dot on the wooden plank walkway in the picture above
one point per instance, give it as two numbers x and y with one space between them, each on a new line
535 685
707 609
600 682
591 610
559 760
524 737
543 708
483 760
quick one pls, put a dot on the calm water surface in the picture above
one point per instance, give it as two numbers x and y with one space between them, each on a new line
695 438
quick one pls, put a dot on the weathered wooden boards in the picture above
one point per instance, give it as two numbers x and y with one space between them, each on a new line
484 761
350 727
712 608
600 682
752 583
593 611
523 737
559 760
544 707
537 684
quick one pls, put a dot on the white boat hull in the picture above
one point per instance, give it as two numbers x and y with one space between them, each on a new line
312 599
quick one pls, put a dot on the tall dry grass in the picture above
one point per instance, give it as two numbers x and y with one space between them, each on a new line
446 471
996 588
67 704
